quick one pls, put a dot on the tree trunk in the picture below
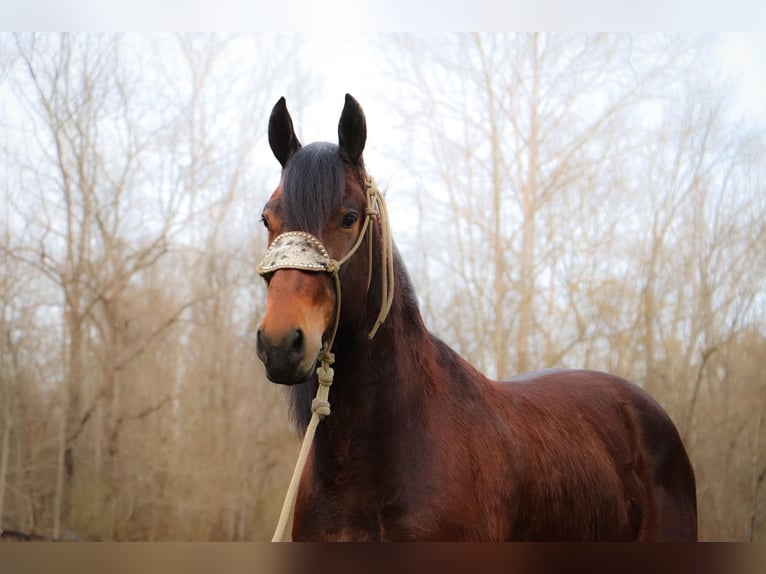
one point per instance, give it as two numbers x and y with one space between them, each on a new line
4 456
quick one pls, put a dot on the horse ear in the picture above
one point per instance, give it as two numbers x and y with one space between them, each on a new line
352 131
282 138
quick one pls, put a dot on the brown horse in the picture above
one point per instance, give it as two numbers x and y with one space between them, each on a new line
420 445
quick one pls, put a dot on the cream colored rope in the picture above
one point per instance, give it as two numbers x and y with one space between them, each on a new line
320 406
375 199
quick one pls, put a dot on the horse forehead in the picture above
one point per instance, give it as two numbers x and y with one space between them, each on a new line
352 197
353 188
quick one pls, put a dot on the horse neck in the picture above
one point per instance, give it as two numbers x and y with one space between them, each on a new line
379 378
377 366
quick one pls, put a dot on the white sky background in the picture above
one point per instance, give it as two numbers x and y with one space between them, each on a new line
743 56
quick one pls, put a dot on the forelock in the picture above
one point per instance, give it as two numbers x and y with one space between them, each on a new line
312 186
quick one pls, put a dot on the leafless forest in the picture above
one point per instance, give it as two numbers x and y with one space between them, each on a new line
580 201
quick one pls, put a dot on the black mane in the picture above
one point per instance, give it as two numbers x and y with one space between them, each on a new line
312 187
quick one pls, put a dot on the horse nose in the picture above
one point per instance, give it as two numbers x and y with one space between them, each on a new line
281 358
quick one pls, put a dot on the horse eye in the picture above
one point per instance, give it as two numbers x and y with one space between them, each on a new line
349 219
265 221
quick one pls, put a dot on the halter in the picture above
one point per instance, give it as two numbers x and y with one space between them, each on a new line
301 250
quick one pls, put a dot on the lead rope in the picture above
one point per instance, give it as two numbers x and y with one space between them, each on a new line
320 406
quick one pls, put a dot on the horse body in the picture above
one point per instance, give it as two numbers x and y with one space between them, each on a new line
420 445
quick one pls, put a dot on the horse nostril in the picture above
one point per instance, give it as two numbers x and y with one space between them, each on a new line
261 346
282 359
295 341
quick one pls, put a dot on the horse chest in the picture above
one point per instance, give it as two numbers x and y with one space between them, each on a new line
410 496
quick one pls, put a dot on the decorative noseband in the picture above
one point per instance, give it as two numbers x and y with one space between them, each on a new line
296 250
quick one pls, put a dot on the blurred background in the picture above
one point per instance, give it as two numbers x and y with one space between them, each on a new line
591 201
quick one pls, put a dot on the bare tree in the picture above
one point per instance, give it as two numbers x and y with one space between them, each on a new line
77 90
532 124
132 208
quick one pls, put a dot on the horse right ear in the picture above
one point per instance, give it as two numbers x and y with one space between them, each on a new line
352 131
282 139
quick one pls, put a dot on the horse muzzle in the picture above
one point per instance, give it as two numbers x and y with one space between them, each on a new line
300 306
285 359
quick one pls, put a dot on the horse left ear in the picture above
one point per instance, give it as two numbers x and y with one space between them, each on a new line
352 131
282 138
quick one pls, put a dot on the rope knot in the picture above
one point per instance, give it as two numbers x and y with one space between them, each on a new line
320 407
325 375
326 357
332 266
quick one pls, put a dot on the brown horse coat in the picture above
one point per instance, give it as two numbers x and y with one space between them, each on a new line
420 445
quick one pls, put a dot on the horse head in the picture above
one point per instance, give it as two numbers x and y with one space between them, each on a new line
316 219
